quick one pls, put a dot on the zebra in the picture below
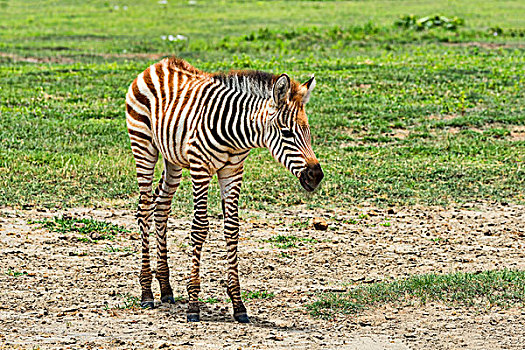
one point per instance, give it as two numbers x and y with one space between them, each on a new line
208 123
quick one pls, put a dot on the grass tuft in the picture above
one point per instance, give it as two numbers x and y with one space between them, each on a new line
503 288
285 242
11 272
94 229
257 294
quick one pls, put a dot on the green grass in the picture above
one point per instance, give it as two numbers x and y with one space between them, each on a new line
400 116
284 242
210 300
254 295
112 249
128 302
90 229
503 288
257 294
13 273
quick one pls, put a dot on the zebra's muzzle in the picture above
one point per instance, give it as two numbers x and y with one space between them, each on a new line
311 176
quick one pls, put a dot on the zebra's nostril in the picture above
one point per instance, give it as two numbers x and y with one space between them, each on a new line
309 174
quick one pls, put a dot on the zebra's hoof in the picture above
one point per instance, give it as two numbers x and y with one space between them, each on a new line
150 304
168 299
193 317
241 318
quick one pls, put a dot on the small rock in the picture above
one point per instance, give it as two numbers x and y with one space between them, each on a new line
365 323
276 337
372 213
94 235
320 224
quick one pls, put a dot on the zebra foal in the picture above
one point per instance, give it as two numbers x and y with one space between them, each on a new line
208 123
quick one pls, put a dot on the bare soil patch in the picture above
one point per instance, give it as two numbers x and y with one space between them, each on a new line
517 133
20 58
487 45
70 294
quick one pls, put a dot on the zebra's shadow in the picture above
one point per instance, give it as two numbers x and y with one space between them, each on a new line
218 315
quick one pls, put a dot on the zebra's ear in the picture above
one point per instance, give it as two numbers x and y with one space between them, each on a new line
281 89
306 88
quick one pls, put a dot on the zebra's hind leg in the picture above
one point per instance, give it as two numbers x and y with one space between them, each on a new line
199 231
230 182
163 195
145 158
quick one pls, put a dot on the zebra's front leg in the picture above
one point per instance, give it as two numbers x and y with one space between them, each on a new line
230 182
199 231
163 195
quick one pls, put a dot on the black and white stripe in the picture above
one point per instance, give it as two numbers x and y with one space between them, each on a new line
208 123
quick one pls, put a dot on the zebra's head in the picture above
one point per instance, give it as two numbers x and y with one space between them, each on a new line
287 133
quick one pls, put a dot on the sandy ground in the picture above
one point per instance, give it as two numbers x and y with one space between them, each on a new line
69 293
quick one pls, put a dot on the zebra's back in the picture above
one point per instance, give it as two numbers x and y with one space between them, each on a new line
165 104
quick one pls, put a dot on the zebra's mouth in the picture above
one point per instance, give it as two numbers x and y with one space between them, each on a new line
311 176
305 184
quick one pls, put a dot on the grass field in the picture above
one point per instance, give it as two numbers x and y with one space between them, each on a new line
406 111
399 116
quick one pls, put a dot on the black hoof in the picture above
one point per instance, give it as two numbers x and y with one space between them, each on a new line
168 299
241 318
147 304
193 317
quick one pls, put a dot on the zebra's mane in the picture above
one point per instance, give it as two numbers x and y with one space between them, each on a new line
254 82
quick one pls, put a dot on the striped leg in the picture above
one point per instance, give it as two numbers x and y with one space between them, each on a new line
230 183
199 231
163 195
145 158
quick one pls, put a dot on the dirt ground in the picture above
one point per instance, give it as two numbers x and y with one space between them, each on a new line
70 294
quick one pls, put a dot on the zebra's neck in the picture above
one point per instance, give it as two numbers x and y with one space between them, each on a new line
249 107
247 118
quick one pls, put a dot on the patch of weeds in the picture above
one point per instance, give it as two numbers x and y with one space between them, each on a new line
210 300
300 224
92 229
11 272
439 240
285 242
257 294
179 298
497 133
502 288
429 22
112 249
386 224
285 255
130 302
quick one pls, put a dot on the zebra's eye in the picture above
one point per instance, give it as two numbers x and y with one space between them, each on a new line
287 133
